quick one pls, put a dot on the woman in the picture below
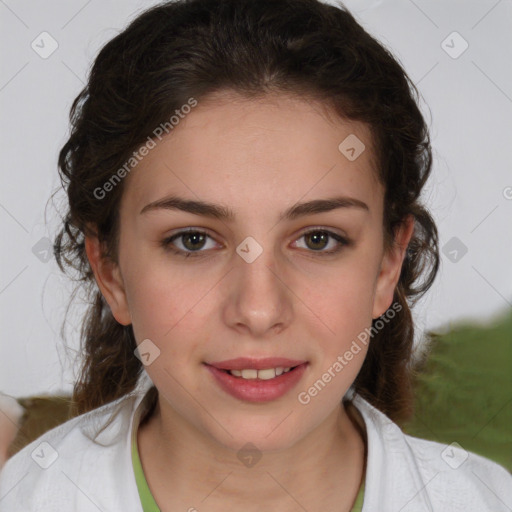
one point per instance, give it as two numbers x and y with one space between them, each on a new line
244 183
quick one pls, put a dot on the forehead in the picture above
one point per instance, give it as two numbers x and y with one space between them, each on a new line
247 152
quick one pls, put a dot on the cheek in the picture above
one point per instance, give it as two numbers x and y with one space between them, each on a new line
338 352
171 308
342 310
157 299
342 299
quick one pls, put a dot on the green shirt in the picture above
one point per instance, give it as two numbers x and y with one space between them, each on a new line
146 498
149 503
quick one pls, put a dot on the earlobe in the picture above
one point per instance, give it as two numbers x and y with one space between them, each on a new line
109 280
391 267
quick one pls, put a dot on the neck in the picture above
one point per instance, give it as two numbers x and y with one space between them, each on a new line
323 471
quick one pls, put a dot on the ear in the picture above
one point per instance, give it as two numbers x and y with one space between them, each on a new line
391 267
109 280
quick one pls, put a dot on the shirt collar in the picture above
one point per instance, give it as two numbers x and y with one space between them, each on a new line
393 479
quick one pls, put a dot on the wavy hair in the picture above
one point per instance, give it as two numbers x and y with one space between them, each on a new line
193 48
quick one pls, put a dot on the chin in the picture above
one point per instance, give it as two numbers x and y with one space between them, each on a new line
268 435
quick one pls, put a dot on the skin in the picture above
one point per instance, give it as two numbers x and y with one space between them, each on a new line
258 157
10 417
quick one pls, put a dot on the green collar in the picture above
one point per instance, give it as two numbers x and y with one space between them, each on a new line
358 505
146 498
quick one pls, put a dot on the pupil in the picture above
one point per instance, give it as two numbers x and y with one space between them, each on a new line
196 237
318 237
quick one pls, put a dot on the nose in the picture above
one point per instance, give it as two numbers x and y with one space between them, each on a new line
258 302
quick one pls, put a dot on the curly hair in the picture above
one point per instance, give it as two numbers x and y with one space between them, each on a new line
193 48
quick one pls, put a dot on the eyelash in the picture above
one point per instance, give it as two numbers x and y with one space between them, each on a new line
167 242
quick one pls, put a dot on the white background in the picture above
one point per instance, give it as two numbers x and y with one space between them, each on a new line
469 110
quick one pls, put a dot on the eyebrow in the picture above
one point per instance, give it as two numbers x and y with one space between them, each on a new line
226 214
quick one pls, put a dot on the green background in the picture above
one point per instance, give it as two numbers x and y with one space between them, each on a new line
464 392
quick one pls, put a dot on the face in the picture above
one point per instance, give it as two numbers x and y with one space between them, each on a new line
269 280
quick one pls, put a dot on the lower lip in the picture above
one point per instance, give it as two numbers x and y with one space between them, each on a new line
257 390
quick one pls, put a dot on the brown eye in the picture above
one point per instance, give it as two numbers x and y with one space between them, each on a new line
193 241
319 239
187 243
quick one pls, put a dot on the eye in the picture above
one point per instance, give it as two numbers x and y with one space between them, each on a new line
318 239
192 241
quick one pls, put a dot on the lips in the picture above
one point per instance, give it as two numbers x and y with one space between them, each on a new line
246 363
257 389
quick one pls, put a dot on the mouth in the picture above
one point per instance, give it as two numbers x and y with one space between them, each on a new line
257 380
265 374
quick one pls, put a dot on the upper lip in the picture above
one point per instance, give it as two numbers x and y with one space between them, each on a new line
243 363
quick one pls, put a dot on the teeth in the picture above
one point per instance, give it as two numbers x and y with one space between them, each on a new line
268 373
249 374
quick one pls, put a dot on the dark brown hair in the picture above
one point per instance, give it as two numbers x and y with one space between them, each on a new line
190 49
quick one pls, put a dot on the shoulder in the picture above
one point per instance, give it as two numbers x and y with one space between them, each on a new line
466 480
64 464
425 475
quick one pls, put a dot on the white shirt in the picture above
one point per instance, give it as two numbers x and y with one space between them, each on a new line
64 470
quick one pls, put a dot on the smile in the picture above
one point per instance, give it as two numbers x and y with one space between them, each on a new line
263 384
266 374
